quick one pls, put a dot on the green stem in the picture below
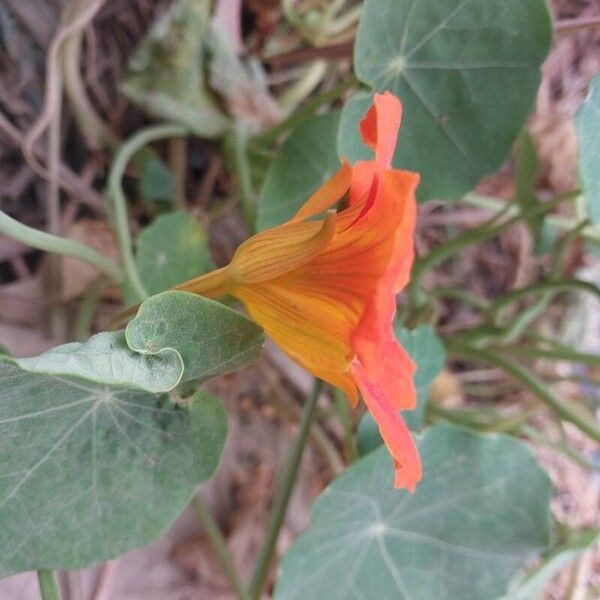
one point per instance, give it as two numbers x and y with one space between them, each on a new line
305 111
53 243
54 279
556 285
345 21
219 545
242 168
468 238
283 492
563 354
461 294
581 420
115 190
590 232
85 318
302 88
539 438
48 587
343 411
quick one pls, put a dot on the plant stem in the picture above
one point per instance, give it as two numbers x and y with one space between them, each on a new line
85 318
556 285
492 204
96 133
119 203
302 88
580 419
178 162
48 587
473 236
219 545
53 243
242 168
54 279
283 492
343 411
555 354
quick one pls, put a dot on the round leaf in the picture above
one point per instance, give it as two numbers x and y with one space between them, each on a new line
173 249
88 472
588 131
467 73
481 511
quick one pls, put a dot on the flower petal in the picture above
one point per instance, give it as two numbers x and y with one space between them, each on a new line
380 127
310 326
394 432
276 251
327 195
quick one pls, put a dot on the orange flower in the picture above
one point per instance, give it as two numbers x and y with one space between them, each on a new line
324 288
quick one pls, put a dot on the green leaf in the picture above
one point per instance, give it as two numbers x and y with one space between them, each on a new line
88 472
166 75
467 73
173 249
480 512
211 338
305 161
157 183
588 132
532 585
106 359
426 350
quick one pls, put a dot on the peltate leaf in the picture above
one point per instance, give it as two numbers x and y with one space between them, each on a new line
88 472
480 512
466 71
172 249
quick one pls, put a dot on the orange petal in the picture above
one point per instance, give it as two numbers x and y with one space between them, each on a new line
394 432
327 195
276 251
380 126
311 326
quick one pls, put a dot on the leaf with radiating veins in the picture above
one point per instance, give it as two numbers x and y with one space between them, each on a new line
481 511
467 73
88 471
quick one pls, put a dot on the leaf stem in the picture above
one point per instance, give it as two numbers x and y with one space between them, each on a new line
343 411
283 492
555 285
119 203
242 168
492 204
59 245
581 420
473 236
219 545
48 587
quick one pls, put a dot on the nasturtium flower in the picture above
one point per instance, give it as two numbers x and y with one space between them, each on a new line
324 284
